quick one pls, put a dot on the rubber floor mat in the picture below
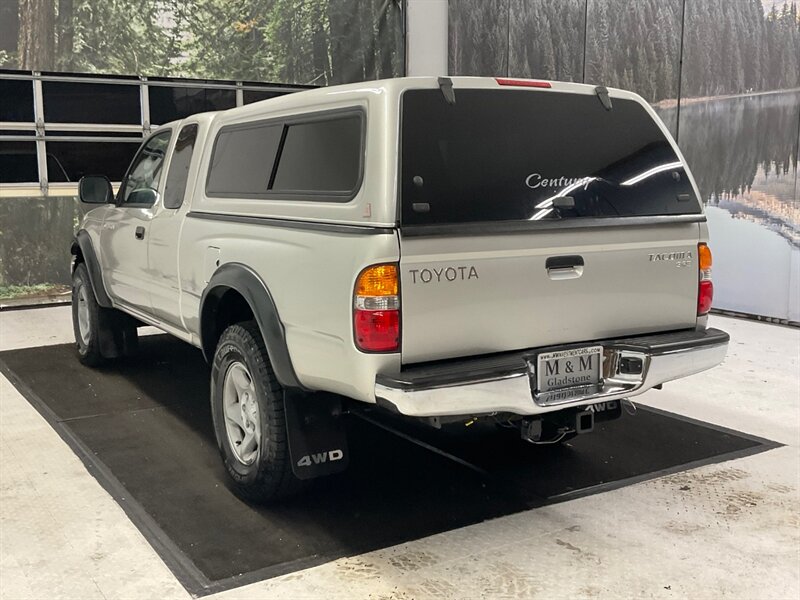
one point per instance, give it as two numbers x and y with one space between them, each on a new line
143 428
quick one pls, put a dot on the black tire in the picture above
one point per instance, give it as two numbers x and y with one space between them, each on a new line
88 341
269 476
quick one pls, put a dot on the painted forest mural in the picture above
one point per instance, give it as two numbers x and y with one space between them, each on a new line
288 41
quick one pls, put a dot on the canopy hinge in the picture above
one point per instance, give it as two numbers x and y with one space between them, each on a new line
446 85
605 99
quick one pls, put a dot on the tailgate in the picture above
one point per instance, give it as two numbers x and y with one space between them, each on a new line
540 217
465 296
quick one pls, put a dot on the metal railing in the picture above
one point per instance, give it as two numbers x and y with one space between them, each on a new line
41 131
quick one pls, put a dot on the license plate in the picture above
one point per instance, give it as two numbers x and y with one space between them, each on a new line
566 375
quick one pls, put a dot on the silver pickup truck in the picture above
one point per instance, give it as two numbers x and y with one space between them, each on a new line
447 249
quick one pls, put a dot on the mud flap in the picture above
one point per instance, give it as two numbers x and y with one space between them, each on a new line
317 437
117 334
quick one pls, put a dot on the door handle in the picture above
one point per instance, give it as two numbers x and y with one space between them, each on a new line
139 233
564 267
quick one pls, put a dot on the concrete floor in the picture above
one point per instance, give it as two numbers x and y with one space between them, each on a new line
725 530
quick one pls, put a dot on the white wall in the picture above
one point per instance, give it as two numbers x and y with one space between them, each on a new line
426 37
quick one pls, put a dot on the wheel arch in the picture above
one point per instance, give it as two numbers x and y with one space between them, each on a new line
235 283
83 251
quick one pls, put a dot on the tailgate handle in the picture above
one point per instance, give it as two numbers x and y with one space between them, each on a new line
564 267
564 262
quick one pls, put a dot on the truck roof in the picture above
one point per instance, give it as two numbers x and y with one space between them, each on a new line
378 90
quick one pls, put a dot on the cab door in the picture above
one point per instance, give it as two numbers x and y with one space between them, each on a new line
124 238
165 227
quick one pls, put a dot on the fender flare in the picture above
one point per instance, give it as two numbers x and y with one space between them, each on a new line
83 243
255 292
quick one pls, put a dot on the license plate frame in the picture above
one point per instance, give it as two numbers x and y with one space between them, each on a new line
567 374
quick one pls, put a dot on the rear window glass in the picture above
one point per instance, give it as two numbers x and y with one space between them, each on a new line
242 160
320 156
175 187
513 155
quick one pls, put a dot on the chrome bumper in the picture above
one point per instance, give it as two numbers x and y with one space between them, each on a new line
503 384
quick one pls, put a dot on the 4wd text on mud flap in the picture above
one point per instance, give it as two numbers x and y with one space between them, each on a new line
320 457
602 406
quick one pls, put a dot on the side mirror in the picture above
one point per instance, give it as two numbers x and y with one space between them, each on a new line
95 189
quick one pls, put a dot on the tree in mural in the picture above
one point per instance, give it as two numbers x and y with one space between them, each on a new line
537 53
115 36
36 27
478 31
732 47
316 41
623 49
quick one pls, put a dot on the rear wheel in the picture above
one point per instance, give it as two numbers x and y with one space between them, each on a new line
249 419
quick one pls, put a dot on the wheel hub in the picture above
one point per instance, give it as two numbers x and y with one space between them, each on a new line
249 411
84 324
241 412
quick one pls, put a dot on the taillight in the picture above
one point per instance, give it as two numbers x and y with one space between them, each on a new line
705 289
376 309
523 82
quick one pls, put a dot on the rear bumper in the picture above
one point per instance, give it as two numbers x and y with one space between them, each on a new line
503 383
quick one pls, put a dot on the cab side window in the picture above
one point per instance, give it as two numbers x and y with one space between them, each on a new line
144 174
175 188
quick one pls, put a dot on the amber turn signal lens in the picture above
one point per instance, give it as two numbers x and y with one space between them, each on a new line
379 280
704 254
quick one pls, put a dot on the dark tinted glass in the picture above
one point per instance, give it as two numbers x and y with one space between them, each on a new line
322 156
506 154
16 100
18 162
250 96
175 187
68 102
69 161
243 159
132 135
171 103
146 169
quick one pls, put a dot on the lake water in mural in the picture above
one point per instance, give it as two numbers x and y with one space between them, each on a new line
743 154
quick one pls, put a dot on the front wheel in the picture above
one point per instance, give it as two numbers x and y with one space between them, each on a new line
86 318
249 419
100 333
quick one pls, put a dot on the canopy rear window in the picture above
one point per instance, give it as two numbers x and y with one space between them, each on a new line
513 155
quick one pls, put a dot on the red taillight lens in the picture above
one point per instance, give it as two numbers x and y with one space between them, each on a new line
376 309
705 295
378 330
705 289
